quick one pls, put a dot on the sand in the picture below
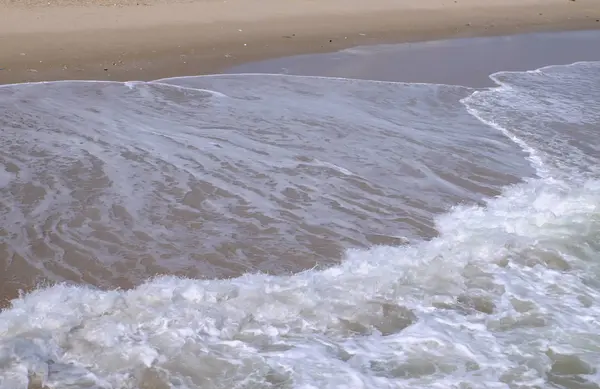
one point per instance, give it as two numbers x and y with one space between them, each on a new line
144 40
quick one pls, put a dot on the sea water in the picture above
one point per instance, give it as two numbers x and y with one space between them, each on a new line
271 231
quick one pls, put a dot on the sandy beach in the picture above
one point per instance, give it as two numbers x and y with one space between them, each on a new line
143 40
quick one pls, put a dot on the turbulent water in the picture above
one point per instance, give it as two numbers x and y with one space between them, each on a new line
278 231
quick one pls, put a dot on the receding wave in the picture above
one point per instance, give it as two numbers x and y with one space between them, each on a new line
499 291
110 183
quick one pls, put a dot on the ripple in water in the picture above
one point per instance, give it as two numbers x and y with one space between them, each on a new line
460 268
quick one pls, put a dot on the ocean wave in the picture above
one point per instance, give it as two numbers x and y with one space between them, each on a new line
505 295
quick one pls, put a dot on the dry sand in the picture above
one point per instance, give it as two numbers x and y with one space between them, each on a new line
147 39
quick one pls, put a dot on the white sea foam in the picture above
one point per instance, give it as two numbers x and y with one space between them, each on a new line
551 112
506 296
495 300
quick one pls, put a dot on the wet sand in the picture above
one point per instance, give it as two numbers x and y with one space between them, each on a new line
144 40
466 62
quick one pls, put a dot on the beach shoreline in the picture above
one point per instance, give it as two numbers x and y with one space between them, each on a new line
141 45
58 40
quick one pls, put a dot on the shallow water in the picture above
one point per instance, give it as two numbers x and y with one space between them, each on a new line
312 232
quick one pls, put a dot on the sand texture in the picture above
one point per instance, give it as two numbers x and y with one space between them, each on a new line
147 39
